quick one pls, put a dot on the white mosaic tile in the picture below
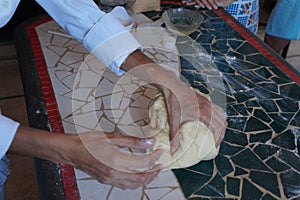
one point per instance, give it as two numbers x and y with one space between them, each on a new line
94 105
62 89
133 115
87 120
69 126
112 101
80 174
57 50
52 57
174 194
79 48
64 106
135 131
114 114
44 36
69 80
92 189
71 44
105 88
61 74
71 57
81 94
54 79
88 79
165 179
157 193
126 194
141 102
105 125
59 41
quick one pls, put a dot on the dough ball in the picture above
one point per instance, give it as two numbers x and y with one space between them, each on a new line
196 140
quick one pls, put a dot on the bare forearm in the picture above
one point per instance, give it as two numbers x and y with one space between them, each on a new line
39 143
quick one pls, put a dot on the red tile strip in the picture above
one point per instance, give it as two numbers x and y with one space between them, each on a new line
67 171
173 2
261 48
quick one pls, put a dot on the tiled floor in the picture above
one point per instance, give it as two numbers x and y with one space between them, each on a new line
21 183
293 56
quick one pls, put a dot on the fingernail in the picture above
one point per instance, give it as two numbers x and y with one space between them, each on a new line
148 141
209 7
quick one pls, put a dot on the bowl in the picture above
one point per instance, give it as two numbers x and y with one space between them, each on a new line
183 20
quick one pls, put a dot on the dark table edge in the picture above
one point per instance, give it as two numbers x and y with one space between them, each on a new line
48 173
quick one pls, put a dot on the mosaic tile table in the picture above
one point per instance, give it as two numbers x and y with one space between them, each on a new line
259 157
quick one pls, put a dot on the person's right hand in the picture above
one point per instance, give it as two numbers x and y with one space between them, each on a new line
184 105
100 155
209 4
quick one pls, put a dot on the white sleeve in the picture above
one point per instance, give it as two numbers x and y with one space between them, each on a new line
8 129
7 10
95 29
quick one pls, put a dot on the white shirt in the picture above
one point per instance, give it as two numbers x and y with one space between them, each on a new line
101 33
8 129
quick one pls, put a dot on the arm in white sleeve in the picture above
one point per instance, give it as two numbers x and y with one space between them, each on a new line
95 29
7 10
8 130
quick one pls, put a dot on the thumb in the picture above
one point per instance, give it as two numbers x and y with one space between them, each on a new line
174 136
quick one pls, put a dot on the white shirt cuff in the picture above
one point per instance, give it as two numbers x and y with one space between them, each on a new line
7 10
8 130
110 39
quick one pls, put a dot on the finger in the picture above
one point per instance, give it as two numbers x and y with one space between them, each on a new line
174 119
219 137
190 3
214 3
135 180
206 4
174 141
118 179
218 124
136 162
174 130
145 178
132 142
199 2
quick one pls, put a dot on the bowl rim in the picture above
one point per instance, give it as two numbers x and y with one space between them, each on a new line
198 20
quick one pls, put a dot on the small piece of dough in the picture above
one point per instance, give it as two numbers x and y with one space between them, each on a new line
196 140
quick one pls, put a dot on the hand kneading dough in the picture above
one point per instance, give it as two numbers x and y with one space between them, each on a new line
196 140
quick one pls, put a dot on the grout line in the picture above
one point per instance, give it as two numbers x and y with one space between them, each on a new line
12 97
292 56
60 34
